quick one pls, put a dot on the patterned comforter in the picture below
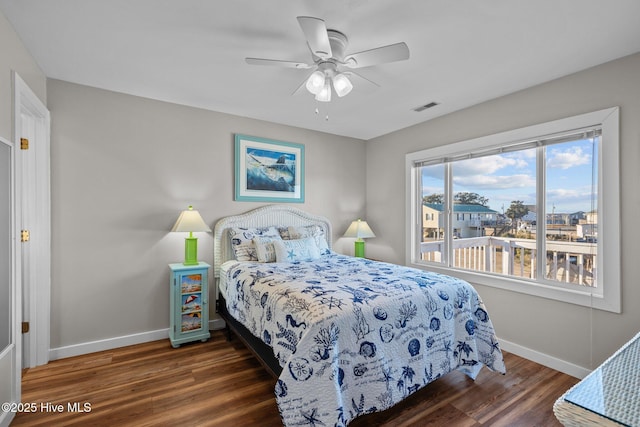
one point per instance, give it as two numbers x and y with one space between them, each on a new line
356 336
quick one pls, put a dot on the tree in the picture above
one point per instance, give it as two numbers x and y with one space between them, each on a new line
516 211
466 198
433 198
463 197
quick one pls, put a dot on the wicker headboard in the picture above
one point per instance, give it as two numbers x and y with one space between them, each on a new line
276 215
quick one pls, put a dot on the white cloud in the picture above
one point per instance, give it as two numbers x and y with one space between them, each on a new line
564 194
487 165
571 200
565 159
495 182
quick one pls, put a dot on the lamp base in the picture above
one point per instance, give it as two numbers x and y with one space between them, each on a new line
190 251
359 249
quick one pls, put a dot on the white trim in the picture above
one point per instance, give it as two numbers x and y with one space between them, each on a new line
608 205
161 334
216 323
107 344
12 353
512 136
544 359
38 218
116 342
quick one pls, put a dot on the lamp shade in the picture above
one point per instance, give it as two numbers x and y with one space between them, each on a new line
190 221
359 229
325 93
342 84
315 82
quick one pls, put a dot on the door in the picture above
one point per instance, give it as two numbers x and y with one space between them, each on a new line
9 390
25 267
32 130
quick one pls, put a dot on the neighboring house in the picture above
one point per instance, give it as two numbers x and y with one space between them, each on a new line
555 218
531 215
588 228
468 220
577 217
559 219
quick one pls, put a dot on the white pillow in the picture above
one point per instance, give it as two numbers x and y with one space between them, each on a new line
315 231
264 248
296 250
242 241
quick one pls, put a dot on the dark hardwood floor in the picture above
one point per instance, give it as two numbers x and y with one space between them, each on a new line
220 383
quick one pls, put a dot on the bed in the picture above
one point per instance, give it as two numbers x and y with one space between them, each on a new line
343 336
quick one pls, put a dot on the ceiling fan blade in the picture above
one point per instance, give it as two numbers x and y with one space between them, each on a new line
360 76
277 63
380 55
299 88
315 31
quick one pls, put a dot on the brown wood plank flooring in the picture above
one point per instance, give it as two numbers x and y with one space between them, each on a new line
219 383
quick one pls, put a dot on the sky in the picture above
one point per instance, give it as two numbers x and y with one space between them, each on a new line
506 177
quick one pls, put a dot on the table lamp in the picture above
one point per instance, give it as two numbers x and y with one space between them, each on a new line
190 221
360 230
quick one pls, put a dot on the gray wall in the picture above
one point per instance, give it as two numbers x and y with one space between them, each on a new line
122 169
14 56
568 332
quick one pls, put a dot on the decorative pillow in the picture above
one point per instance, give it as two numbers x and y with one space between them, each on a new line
284 232
242 241
264 248
315 231
296 250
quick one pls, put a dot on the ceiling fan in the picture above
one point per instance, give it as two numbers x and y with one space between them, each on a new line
328 53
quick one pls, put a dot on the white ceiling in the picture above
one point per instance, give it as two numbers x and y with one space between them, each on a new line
192 52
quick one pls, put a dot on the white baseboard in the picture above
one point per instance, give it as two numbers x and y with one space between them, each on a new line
107 344
6 418
111 343
544 359
218 323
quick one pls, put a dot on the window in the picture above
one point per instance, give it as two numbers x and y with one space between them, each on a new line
534 210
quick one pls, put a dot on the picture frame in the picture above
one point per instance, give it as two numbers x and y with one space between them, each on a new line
268 171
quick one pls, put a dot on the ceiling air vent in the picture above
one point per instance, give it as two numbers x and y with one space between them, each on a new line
424 107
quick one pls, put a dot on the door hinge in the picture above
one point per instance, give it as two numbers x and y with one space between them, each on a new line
24 235
24 144
25 327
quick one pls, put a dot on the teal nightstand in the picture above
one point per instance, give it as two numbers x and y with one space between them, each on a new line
189 303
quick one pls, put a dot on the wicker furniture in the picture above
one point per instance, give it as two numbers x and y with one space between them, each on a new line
608 396
222 251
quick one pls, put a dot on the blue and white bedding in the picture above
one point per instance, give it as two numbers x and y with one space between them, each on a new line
356 336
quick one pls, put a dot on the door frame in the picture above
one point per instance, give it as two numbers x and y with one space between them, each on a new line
33 202
10 357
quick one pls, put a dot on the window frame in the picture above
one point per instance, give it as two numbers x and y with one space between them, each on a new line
609 248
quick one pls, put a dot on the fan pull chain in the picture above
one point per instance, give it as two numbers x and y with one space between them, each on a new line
326 117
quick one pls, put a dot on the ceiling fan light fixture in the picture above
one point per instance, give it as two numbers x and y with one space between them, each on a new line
342 84
328 52
316 82
325 93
